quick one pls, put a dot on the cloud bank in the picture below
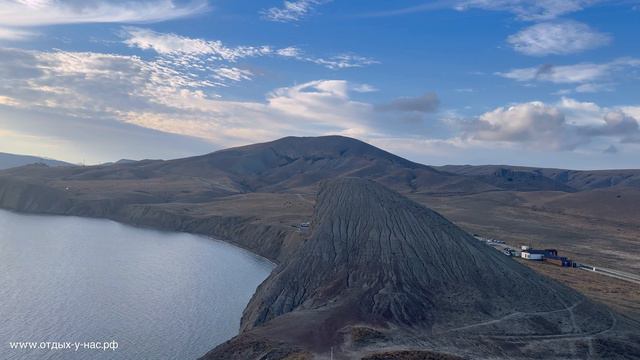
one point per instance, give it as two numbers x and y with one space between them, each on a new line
104 88
567 125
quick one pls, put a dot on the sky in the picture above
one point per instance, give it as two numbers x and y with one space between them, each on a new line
552 83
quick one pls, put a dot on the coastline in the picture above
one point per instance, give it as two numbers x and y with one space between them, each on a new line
272 242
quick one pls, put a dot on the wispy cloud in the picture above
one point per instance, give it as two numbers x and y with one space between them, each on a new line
292 11
172 44
343 61
232 73
13 34
211 61
199 53
528 10
559 38
9 101
589 77
48 12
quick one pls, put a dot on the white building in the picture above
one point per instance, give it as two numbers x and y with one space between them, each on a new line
529 256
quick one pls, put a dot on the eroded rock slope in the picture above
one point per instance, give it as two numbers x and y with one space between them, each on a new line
379 271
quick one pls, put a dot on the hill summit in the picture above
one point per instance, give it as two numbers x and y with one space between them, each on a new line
298 162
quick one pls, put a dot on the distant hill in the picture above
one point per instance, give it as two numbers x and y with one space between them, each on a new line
297 162
286 165
12 160
121 161
522 178
296 165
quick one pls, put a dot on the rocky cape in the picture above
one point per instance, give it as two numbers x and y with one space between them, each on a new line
378 272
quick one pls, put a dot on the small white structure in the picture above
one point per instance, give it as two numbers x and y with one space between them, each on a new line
529 256
524 247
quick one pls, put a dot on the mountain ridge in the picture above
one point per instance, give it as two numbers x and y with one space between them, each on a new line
302 162
8 161
524 178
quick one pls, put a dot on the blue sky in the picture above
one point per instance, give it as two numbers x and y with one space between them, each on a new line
542 83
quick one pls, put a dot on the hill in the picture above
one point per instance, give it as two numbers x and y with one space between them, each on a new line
538 179
12 160
379 272
285 164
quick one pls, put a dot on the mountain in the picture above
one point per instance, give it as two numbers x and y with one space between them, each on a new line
294 163
522 178
11 160
379 271
285 165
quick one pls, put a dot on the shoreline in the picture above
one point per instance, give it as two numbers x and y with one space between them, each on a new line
144 227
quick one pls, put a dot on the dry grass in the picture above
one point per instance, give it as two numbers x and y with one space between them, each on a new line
620 295
519 219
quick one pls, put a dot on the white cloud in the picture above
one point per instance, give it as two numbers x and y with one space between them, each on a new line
233 74
567 125
172 44
532 123
290 51
48 12
364 88
633 111
344 61
292 11
154 95
9 101
559 38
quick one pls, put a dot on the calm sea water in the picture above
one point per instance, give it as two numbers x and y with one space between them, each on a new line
160 295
